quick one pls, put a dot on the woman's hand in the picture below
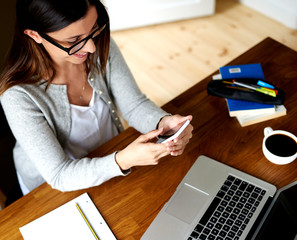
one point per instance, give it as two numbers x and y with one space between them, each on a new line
143 151
171 124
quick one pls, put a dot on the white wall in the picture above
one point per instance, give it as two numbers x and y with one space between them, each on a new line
283 11
135 13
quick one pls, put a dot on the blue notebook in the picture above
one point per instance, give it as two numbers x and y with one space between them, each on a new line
253 70
240 108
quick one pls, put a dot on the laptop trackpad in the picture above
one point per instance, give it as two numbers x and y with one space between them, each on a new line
187 203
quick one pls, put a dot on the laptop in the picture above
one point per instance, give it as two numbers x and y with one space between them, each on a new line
215 201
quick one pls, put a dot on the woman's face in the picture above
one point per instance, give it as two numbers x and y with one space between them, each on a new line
70 35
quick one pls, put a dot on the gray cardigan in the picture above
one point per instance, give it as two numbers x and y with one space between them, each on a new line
41 121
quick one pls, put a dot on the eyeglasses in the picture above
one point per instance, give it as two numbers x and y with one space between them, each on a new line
77 46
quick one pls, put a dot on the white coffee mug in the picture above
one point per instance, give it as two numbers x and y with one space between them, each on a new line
279 147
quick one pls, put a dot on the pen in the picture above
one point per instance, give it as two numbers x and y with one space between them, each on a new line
87 222
264 84
240 88
227 82
245 88
269 92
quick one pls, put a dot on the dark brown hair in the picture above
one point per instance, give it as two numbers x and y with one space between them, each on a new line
29 62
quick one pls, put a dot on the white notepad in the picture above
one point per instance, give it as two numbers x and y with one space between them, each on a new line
66 222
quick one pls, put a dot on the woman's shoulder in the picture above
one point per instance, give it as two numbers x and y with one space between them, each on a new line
112 43
23 89
113 47
34 92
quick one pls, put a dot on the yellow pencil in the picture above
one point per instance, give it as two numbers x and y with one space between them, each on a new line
87 222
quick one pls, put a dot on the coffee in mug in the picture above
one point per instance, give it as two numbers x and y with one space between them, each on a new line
279 147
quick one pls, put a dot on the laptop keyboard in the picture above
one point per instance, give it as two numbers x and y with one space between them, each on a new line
230 211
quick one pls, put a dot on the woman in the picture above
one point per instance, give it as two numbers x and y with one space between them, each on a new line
62 82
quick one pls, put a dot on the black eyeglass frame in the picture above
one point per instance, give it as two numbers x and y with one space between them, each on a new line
86 39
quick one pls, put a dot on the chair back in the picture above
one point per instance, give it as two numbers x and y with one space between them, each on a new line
8 177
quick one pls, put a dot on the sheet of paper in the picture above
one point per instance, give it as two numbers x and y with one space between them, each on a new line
66 222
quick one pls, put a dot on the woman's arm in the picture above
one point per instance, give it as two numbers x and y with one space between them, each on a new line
136 108
40 151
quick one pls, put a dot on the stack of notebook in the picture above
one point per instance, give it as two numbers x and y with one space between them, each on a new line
247 112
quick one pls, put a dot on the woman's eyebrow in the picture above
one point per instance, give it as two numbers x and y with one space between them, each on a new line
78 36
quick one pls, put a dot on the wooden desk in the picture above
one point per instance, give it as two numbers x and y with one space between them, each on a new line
129 204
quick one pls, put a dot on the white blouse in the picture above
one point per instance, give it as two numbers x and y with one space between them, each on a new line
91 127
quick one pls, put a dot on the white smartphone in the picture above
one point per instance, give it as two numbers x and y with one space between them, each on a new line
168 137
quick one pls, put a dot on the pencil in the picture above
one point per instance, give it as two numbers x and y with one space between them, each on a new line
240 88
87 222
266 91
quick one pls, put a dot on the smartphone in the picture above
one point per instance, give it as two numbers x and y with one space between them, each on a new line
168 137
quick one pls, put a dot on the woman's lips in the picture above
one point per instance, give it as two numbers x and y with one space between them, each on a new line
81 55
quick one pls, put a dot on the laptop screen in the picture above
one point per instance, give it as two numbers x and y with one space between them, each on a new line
281 220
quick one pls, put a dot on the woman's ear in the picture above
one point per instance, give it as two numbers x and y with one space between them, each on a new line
34 35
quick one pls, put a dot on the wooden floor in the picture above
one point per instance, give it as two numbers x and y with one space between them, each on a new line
169 58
